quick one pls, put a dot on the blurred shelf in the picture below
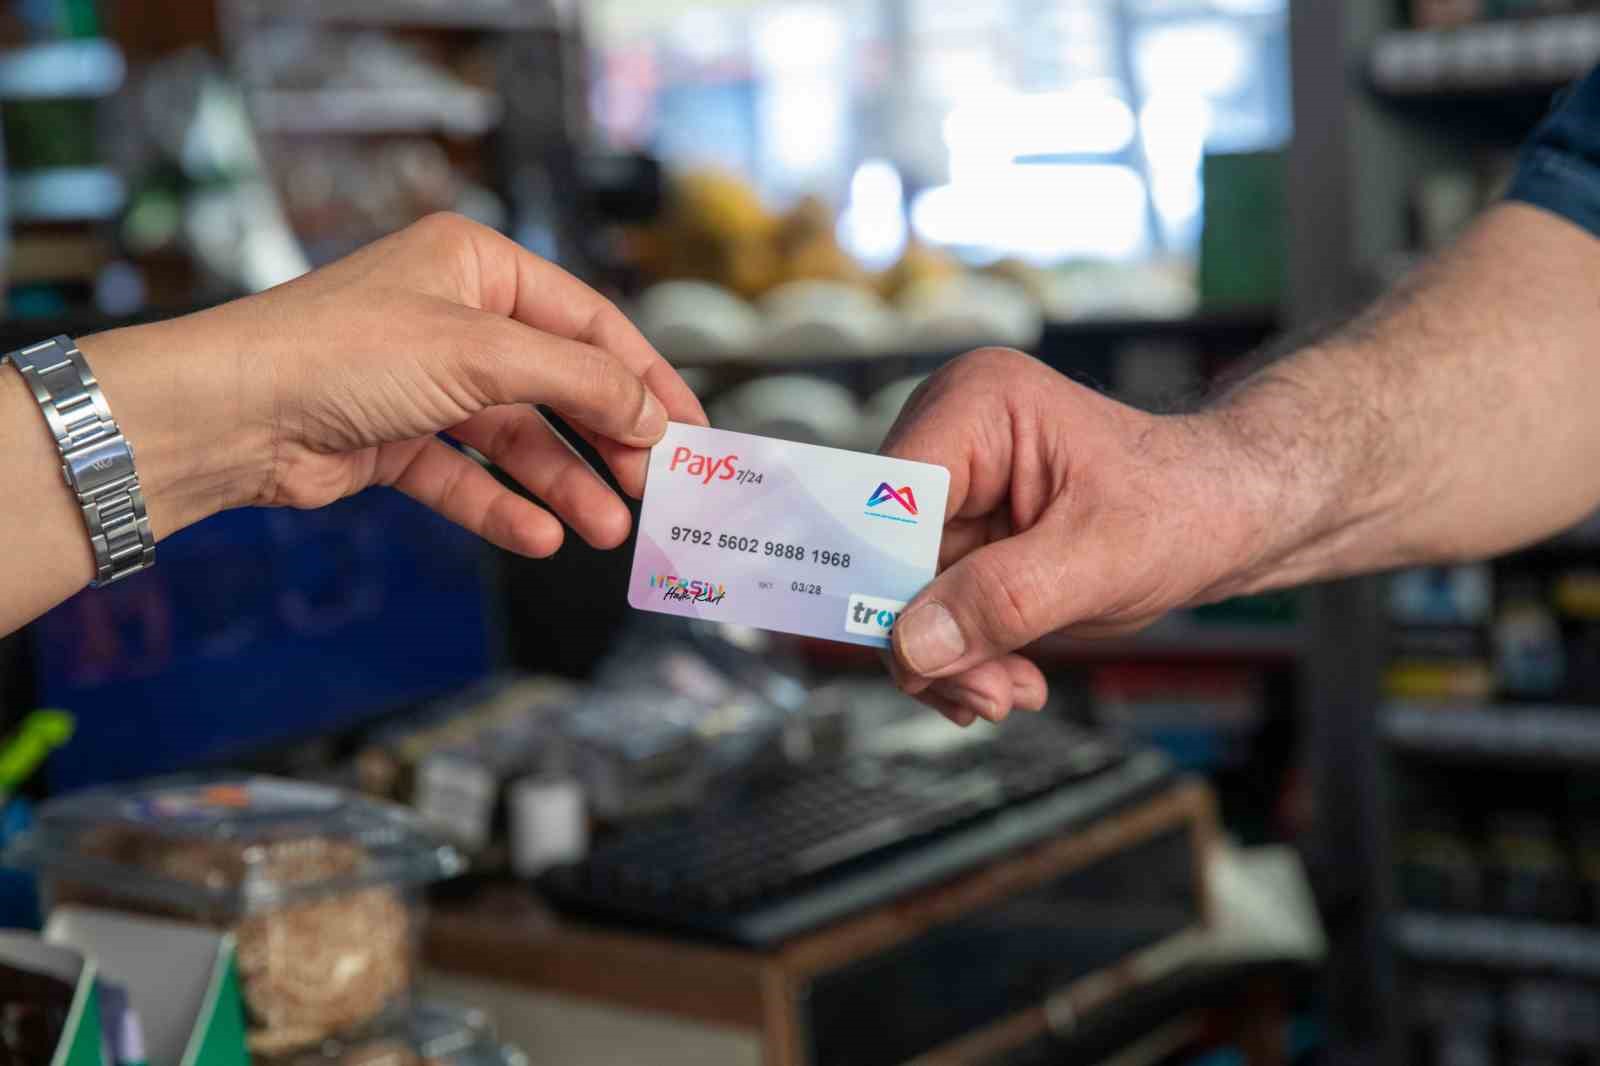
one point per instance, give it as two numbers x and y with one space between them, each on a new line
431 14
1236 331
1499 943
66 194
461 113
1243 327
1510 732
1569 549
753 364
45 257
1505 57
1185 642
88 68
1498 119
17 331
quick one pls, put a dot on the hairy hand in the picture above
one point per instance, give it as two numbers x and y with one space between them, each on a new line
1067 511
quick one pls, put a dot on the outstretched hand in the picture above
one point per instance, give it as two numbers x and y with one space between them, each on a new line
1067 511
449 327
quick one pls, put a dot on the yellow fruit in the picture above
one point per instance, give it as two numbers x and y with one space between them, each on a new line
821 259
808 221
1032 279
720 205
919 263
751 267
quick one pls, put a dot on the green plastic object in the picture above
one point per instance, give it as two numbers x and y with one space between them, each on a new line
82 1043
40 733
219 1035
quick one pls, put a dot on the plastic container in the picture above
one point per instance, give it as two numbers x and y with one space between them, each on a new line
431 1034
320 887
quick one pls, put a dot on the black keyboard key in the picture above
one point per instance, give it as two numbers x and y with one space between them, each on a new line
746 851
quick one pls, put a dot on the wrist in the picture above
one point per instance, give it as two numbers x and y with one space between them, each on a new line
182 396
1301 505
1255 514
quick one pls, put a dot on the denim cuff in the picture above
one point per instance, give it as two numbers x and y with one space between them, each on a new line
1560 168
1558 181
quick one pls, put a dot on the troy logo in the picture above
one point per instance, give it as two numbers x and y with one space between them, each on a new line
902 495
871 616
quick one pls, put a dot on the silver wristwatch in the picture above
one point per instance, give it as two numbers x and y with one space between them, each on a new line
96 459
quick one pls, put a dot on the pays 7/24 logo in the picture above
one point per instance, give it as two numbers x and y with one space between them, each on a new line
886 493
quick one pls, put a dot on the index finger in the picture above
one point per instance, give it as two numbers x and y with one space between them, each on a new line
945 423
540 294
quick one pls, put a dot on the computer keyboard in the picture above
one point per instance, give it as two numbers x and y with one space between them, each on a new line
809 847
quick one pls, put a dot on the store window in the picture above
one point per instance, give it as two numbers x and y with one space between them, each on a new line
1049 131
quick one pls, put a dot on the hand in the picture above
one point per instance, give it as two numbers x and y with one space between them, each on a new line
340 380
1067 511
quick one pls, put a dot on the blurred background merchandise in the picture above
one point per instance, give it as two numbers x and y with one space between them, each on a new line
809 206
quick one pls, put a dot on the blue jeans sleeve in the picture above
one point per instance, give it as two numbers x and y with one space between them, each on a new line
1560 167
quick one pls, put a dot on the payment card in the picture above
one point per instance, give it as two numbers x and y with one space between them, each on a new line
791 537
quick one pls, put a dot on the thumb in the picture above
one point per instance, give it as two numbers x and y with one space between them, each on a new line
995 600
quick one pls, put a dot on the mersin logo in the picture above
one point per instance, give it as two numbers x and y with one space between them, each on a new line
684 590
687 591
887 493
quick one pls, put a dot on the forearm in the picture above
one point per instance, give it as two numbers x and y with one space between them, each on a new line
343 380
178 399
1454 421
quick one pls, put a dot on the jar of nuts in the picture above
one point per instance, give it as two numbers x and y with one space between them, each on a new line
321 888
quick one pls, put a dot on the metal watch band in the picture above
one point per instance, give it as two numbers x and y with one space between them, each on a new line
96 459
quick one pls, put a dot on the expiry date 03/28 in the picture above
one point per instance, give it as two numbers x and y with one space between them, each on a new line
756 546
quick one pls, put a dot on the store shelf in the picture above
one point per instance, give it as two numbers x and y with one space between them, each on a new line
1236 331
1532 733
460 113
1512 57
66 194
61 70
1499 943
433 14
1219 645
1187 642
1243 328
79 321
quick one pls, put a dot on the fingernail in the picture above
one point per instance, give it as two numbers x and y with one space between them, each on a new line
1031 697
962 717
979 704
930 640
653 419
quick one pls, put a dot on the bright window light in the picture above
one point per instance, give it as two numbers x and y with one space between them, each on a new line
1205 58
1046 213
805 119
1174 128
873 225
799 37
1251 7
805 105
703 37
987 135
